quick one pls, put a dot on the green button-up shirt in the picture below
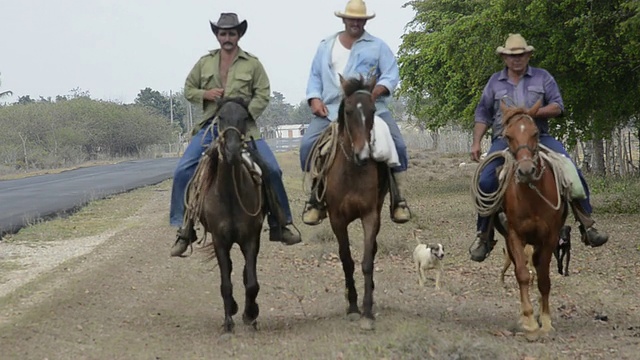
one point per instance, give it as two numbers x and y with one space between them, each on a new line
246 78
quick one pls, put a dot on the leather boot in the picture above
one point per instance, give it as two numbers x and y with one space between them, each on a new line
314 210
185 237
400 213
590 235
482 246
284 235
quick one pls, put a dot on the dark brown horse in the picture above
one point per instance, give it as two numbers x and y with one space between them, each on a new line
534 209
229 204
356 186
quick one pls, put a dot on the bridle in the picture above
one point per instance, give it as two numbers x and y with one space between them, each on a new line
361 112
535 159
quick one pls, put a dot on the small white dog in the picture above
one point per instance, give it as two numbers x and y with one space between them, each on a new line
428 257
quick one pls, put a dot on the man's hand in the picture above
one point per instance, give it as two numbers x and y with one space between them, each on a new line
213 94
318 108
475 152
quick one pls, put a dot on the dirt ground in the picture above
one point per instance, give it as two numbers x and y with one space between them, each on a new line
100 285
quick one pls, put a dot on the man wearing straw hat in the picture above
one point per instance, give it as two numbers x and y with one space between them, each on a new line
352 52
520 85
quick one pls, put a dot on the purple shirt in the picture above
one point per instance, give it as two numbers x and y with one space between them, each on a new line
535 84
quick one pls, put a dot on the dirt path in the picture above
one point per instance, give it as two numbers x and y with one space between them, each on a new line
119 296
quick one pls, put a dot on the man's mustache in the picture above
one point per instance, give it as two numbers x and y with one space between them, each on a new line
227 43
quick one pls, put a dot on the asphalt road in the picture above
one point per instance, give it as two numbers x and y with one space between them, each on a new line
23 201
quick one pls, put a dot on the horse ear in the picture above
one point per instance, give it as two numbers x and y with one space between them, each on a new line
342 80
534 109
504 109
373 79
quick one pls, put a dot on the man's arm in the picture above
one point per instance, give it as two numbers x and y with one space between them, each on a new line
261 91
192 91
389 73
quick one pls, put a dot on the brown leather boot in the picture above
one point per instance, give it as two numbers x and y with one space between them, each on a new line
185 237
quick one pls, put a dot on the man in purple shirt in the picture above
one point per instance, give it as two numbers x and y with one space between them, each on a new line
520 85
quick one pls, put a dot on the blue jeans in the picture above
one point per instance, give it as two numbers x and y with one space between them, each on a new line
189 162
318 124
489 178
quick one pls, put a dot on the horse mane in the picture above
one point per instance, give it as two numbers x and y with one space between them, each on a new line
236 99
510 112
349 87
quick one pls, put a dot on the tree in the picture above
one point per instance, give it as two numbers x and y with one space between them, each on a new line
277 112
162 105
590 47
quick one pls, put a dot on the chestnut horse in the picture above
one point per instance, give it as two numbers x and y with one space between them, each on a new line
534 209
228 201
356 186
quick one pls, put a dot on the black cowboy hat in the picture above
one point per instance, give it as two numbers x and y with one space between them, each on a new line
229 21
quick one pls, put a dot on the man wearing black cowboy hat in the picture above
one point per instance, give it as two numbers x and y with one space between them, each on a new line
228 71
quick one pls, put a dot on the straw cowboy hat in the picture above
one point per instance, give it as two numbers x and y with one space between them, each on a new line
355 9
229 21
514 45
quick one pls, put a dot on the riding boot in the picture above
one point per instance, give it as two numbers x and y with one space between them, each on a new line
284 235
400 212
315 210
590 235
482 245
185 237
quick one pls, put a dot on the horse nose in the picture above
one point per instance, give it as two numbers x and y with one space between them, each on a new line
526 170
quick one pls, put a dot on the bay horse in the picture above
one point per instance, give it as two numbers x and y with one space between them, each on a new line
356 186
227 199
534 208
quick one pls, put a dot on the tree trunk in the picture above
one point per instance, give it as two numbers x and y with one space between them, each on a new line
597 162
622 154
587 155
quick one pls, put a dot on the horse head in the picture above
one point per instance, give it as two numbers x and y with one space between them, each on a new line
521 133
355 116
233 115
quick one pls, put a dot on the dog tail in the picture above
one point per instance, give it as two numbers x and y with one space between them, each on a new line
415 236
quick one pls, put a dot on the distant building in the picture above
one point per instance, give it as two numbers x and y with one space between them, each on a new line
292 131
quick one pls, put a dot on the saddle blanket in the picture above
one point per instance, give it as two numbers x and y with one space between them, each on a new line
383 148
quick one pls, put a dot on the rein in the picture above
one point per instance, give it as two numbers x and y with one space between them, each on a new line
220 144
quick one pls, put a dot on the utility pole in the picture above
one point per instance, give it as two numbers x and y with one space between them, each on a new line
171 105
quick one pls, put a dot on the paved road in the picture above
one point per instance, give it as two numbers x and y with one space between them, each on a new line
40 197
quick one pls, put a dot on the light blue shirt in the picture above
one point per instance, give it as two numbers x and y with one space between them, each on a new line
369 55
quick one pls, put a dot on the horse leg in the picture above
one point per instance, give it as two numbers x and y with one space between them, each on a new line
543 260
250 251
342 234
516 251
223 254
371 226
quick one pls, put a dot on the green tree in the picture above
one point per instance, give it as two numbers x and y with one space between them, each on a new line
590 47
162 104
277 112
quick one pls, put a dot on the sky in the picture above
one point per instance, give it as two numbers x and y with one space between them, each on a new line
115 48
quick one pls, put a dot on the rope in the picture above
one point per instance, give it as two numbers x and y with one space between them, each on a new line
489 203
318 163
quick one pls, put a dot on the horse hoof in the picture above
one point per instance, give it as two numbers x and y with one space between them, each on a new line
532 336
367 324
249 321
353 316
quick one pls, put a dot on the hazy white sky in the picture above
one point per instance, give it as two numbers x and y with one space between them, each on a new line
115 48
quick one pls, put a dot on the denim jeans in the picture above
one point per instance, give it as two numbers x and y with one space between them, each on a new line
189 162
318 124
489 178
